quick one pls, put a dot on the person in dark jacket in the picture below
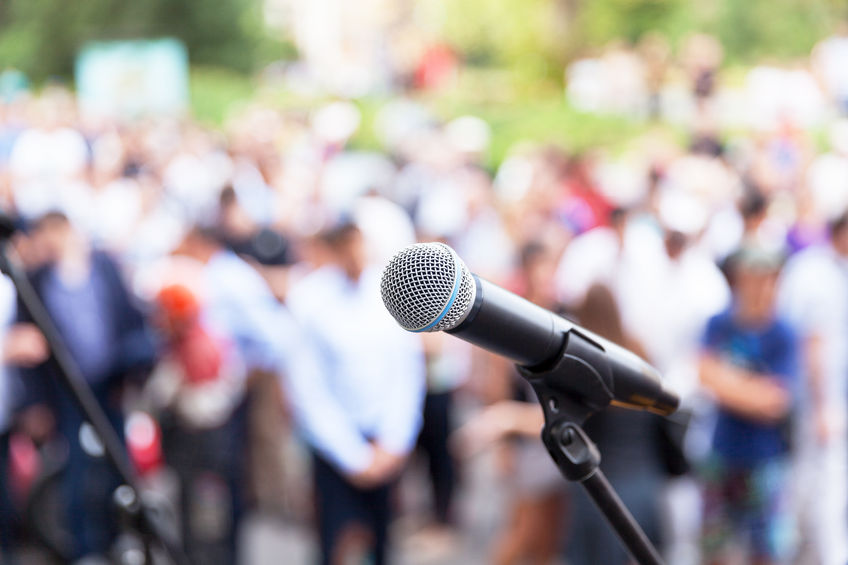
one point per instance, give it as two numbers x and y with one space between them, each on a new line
107 338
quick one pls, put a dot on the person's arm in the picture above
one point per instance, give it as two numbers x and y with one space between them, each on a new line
504 419
137 351
24 346
319 416
27 352
404 399
323 421
751 395
813 357
808 302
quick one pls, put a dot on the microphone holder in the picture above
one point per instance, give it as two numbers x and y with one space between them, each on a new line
72 379
570 391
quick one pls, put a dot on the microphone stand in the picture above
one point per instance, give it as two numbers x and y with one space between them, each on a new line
69 373
570 391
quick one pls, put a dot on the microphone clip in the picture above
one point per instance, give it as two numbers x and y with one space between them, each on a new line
576 386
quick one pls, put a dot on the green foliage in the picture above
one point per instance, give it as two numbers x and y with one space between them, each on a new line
520 111
216 90
773 29
515 112
597 23
539 36
505 32
42 37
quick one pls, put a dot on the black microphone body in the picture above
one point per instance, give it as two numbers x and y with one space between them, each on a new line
427 287
536 339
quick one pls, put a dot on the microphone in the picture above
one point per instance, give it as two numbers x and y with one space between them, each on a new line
426 287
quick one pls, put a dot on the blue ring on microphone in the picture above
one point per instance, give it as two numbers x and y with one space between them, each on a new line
444 312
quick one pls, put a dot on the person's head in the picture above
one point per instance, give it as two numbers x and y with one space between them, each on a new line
675 244
598 312
683 215
754 274
618 218
753 208
200 243
53 236
346 246
233 220
839 234
578 169
538 265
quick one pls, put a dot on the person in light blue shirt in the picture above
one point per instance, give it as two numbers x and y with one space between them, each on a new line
239 306
362 412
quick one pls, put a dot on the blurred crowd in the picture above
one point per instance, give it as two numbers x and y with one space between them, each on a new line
219 291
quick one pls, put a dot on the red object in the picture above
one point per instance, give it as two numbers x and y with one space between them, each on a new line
582 203
24 465
197 352
437 67
199 355
144 442
179 305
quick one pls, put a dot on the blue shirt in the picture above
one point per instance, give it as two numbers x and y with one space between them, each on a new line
371 380
240 306
770 350
82 315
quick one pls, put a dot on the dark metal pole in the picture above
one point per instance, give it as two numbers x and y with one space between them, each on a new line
83 396
579 460
620 518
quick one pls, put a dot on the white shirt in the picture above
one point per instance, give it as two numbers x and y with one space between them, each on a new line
830 57
385 225
683 295
47 155
627 268
114 213
372 379
827 178
7 311
814 296
240 305
664 304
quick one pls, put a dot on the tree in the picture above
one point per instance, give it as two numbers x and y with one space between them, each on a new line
42 37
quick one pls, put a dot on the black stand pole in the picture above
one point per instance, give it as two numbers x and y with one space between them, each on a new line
578 459
72 379
576 387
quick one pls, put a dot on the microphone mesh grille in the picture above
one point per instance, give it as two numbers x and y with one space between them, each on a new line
418 283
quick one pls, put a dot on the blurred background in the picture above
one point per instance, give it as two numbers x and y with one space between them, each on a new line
205 195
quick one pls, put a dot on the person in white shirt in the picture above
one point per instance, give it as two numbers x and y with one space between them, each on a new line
22 346
814 296
360 415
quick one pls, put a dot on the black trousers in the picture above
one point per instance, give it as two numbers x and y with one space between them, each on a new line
207 463
433 440
341 505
